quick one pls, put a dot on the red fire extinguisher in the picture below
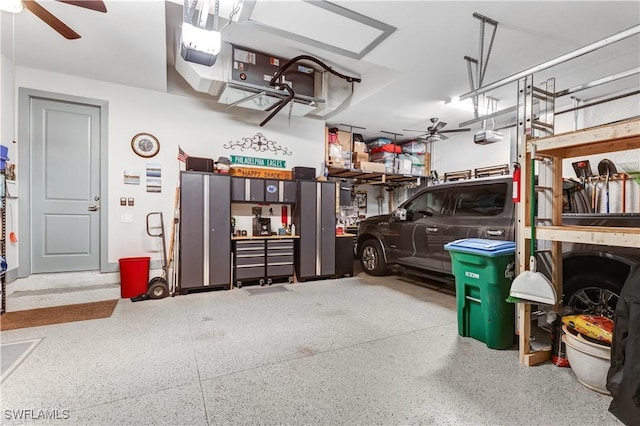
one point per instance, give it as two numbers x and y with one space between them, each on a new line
516 182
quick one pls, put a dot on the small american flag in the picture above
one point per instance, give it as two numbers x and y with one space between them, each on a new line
182 156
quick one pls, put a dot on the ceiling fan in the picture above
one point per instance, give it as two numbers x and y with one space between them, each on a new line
34 7
435 132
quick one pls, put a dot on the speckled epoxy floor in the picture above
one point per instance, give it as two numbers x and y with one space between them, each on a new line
353 351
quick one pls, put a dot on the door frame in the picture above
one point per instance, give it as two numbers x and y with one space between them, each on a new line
25 95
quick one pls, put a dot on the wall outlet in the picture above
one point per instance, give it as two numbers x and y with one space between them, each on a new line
126 218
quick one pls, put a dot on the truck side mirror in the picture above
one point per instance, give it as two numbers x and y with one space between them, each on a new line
400 214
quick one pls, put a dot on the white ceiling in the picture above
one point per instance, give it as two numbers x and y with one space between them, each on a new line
405 80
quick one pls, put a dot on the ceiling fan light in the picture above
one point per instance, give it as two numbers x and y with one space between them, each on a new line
11 6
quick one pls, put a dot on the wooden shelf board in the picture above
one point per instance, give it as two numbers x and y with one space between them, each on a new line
595 140
538 357
609 236
383 178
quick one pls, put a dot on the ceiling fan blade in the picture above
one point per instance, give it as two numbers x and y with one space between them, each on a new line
413 130
442 137
439 126
51 20
454 130
98 6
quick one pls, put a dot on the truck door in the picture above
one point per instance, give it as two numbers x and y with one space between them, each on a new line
479 210
426 238
399 237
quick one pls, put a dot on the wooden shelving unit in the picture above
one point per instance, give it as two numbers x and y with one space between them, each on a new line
371 177
619 136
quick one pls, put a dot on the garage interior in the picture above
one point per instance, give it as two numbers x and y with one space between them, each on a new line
351 212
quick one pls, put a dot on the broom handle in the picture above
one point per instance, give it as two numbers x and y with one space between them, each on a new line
532 200
176 199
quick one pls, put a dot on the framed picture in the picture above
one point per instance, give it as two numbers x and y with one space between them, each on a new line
145 145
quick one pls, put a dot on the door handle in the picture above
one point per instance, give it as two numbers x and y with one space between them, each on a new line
94 208
495 232
432 229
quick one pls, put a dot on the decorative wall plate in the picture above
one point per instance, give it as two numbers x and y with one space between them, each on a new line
145 145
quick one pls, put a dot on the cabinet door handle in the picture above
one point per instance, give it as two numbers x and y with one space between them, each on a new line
432 229
93 208
495 232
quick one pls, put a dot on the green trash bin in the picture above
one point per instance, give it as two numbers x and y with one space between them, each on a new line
484 270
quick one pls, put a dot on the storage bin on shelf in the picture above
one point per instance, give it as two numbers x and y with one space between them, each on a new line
417 169
414 147
4 151
403 164
375 143
381 157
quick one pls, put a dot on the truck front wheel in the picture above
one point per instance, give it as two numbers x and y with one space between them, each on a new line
592 294
372 258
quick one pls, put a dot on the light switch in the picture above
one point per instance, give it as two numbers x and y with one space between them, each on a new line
126 218
130 201
123 201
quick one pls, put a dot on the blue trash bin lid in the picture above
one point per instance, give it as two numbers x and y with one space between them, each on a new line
482 246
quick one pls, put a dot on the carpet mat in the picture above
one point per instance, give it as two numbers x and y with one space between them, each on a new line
57 315
266 290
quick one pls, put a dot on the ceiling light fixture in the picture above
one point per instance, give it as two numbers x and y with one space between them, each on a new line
484 103
11 6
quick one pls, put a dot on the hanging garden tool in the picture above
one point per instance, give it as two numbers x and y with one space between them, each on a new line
606 167
531 285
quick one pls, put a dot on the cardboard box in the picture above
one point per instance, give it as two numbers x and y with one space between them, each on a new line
360 156
360 147
344 140
369 166
427 164
338 163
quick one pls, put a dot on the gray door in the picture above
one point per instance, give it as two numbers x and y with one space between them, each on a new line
327 236
305 218
65 182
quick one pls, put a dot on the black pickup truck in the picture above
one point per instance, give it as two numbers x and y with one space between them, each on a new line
413 236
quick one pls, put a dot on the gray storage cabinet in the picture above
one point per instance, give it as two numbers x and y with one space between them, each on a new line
263 260
255 190
315 221
205 228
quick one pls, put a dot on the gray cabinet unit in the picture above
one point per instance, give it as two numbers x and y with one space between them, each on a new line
280 258
238 189
256 191
315 219
263 190
262 260
205 244
249 260
289 191
247 190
